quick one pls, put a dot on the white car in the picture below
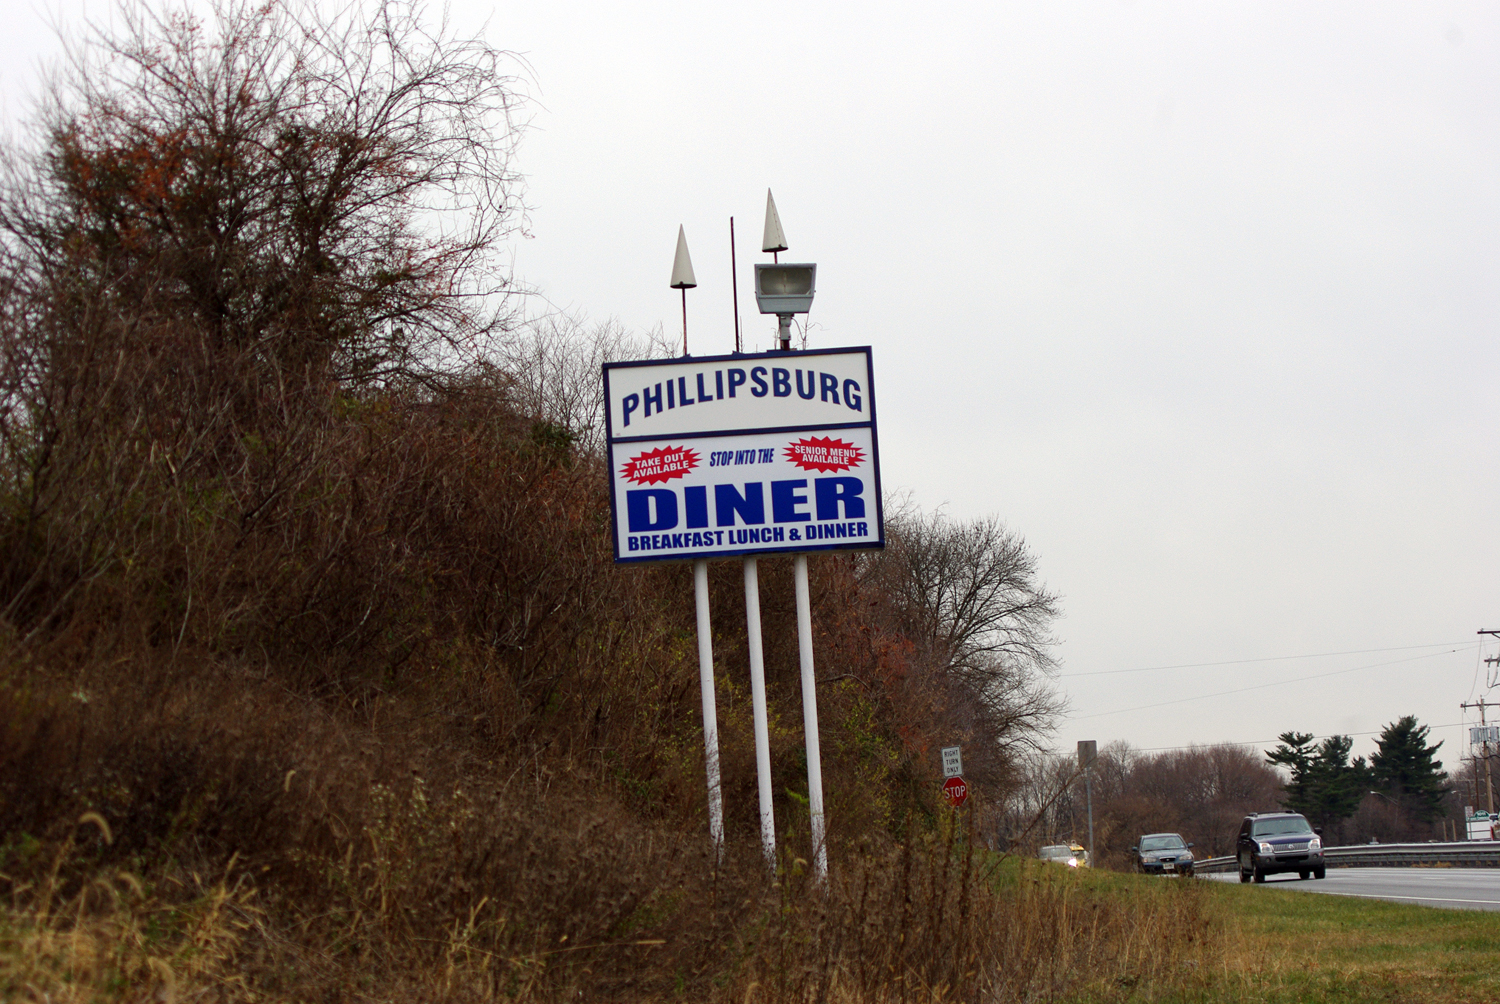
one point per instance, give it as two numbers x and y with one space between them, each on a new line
1072 855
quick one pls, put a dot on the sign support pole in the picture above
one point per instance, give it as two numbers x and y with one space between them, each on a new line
810 718
758 708
1088 752
1088 791
710 710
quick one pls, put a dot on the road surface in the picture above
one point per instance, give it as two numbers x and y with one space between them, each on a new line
1454 888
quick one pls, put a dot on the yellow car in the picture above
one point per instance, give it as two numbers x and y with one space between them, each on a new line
1072 855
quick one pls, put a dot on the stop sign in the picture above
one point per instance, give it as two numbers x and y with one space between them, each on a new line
956 791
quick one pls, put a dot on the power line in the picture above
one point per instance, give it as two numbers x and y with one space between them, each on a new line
1269 658
1259 686
1263 742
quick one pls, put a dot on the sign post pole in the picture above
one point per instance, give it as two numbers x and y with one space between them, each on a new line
710 709
1088 793
1088 752
810 717
758 710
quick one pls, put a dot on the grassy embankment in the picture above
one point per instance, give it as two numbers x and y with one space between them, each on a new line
1283 945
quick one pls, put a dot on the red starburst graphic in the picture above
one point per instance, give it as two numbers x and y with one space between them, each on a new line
824 454
658 465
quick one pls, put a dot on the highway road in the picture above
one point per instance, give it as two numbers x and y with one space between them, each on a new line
1453 888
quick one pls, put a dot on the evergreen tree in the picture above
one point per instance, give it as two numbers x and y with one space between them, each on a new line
1296 757
1338 784
1404 767
1325 785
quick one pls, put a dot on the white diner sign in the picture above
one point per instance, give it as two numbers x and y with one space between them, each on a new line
719 456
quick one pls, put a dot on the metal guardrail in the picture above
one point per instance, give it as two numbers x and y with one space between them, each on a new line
1462 854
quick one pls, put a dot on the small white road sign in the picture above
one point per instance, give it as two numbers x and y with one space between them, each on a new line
953 761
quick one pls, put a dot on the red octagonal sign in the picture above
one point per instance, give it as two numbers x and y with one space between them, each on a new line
956 791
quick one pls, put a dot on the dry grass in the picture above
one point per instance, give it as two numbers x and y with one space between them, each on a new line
105 934
922 921
590 913
949 925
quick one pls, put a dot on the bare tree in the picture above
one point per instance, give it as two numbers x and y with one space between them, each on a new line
970 591
223 236
974 623
301 189
555 361
968 596
1201 792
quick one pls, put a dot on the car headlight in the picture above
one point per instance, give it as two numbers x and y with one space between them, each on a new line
1315 844
1266 848
1072 862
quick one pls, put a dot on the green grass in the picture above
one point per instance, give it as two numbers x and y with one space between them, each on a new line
1284 946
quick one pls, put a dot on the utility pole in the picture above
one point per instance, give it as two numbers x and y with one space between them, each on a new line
1493 660
1489 787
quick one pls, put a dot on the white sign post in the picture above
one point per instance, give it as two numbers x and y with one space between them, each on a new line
758 710
810 716
738 456
710 708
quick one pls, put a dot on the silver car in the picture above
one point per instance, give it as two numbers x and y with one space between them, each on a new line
1164 854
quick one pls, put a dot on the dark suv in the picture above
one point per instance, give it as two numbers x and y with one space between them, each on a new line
1272 842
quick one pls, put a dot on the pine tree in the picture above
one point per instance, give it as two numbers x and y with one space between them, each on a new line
1404 767
1325 786
1296 757
1338 785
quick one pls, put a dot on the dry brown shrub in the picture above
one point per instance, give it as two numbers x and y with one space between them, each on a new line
469 899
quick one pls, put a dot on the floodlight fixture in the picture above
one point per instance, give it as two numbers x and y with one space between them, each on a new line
784 290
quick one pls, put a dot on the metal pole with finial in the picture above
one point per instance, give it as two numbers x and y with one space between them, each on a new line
773 240
734 282
682 278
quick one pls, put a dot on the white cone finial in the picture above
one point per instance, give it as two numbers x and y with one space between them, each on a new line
682 265
775 237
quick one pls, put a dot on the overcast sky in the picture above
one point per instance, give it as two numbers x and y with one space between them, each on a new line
1201 299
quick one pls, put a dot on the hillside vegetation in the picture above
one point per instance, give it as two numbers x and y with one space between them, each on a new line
317 680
